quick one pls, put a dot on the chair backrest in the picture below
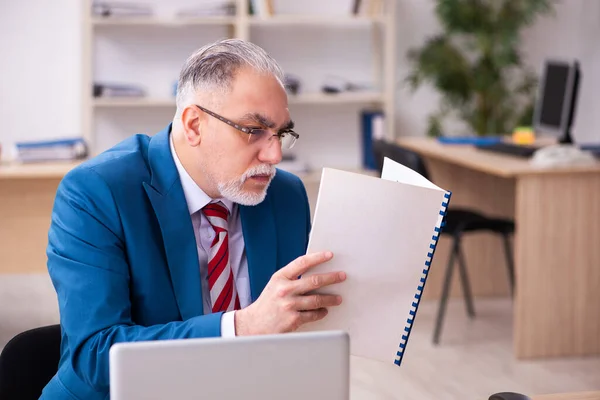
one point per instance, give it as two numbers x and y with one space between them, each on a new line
393 151
28 362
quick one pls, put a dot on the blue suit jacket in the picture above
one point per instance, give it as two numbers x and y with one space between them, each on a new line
122 257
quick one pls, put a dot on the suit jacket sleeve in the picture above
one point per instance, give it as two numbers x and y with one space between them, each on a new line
88 266
307 205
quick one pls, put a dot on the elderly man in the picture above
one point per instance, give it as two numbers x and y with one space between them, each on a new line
189 233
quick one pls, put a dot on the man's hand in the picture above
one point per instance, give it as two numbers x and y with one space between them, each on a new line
285 304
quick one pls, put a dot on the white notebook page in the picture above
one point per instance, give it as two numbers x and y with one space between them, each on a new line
380 232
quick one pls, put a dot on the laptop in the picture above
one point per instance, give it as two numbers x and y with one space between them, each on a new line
291 366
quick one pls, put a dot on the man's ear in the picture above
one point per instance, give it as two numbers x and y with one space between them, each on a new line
193 121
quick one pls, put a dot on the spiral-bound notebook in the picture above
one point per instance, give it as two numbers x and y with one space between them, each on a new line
383 233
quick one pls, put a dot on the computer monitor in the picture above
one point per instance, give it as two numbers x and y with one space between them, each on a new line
557 99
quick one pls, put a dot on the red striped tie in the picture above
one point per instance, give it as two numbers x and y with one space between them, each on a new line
220 276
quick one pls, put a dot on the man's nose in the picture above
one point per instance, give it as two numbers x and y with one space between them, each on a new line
271 152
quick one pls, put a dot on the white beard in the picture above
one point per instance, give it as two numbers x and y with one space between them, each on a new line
233 190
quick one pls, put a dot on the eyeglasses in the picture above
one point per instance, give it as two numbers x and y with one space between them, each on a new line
287 137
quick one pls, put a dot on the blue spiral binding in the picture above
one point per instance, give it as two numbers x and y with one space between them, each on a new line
415 305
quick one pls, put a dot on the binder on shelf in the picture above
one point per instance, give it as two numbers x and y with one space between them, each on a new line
372 128
117 90
261 8
383 233
121 9
209 9
51 150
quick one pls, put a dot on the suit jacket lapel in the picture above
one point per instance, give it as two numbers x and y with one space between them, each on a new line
168 201
260 239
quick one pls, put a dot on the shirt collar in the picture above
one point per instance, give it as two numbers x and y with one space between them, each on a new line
194 196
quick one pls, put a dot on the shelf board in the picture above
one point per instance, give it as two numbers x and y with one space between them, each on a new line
308 98
133 102
277 20
336 98
314 20
36 170
166 22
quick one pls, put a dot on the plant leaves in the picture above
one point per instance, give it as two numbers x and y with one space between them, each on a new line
476 65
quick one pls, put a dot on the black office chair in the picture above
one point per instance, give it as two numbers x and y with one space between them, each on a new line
457 222
28 362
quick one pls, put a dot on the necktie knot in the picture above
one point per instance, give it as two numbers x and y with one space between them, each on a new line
217 214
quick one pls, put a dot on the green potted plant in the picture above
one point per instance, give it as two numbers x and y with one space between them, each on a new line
476 65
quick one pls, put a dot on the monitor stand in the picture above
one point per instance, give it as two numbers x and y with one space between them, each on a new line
566 138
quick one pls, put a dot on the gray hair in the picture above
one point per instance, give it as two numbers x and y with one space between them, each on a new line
213 67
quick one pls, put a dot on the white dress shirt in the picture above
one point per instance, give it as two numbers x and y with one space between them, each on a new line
196 199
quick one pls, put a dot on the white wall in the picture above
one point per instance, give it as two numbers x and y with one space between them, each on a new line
416 22
40 75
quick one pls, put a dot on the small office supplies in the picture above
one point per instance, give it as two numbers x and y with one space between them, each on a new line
383 233
523 135
474 140
561 155
292 84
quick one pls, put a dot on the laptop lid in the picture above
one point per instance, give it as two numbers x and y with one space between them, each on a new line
292 366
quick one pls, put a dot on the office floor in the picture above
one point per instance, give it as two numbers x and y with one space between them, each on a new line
473 360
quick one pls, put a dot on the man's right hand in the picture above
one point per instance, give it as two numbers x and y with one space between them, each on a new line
285 304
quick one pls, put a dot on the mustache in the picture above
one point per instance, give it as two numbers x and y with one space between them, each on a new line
261 169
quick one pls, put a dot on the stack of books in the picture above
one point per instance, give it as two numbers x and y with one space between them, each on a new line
262 8
118 90
120 9
209 8
51 150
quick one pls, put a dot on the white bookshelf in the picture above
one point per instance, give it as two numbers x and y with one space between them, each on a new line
158 22
339 98
133 102
315 21
378 30
305 98
282 20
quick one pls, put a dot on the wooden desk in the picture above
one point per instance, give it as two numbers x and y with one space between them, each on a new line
420 379
26 198
557 243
